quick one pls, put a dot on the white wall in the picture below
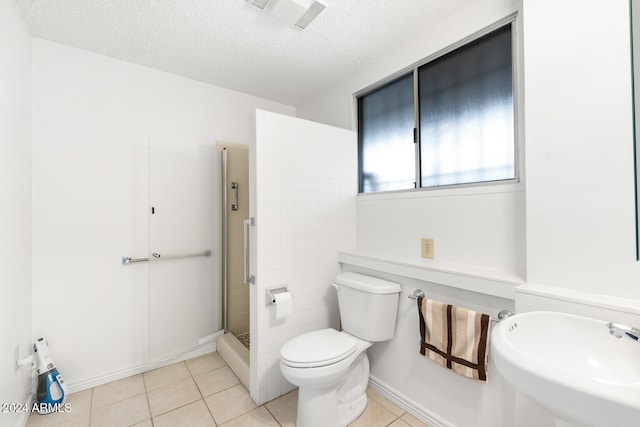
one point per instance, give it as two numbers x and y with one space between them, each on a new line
304 178
15 206
93 118
482 227
578 216
438 396
90 110
580 178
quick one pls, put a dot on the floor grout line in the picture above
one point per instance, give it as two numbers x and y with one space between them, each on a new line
202 396
148 402
271 413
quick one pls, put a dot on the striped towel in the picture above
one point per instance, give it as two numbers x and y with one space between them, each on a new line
454 337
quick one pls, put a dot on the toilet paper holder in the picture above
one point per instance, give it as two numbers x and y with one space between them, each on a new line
271 293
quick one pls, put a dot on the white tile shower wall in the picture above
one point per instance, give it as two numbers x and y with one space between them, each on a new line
306 176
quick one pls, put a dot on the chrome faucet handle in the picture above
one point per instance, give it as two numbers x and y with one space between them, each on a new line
619 330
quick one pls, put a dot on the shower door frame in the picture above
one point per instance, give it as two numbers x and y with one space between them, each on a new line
225 246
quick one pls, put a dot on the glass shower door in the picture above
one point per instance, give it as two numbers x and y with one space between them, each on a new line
184 280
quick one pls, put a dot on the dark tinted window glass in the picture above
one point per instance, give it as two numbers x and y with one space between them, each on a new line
466 113
385 133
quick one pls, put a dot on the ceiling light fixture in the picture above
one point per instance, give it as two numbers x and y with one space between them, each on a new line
299 13
260 4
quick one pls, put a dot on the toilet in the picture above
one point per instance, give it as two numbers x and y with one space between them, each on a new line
331 368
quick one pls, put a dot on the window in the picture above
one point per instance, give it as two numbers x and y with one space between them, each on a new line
387 119
463 131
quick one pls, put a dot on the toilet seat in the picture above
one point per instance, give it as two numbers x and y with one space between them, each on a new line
318 348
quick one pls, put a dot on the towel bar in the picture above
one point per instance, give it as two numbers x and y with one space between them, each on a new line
503 314
418 293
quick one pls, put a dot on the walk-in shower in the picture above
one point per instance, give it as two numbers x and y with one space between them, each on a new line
233 346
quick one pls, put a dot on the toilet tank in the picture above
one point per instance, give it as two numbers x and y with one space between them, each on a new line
368 306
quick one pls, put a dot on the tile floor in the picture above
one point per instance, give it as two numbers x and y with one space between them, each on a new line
199 392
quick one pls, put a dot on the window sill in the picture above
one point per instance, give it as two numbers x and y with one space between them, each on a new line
463 190
496 283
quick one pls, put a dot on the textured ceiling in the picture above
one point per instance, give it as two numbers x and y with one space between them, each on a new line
234 45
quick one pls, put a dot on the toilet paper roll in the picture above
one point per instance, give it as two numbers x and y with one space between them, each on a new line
284 305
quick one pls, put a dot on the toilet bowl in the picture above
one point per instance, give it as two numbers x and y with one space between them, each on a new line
331 368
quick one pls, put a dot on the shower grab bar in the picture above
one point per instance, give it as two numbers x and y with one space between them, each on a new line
245 224
245 251
126 260
234 205
503 314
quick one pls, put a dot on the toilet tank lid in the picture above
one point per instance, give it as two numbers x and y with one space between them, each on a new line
369 284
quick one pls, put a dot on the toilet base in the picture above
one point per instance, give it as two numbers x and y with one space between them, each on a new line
348 413
352 394
317 408
335 406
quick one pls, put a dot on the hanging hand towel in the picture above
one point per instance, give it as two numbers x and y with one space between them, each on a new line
454 337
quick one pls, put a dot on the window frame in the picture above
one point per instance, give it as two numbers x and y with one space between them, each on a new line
503 185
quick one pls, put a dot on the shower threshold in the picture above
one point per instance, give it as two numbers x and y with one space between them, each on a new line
236 356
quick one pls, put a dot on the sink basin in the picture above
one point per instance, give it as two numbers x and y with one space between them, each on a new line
571 366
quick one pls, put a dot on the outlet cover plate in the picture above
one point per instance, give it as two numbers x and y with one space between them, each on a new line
427 248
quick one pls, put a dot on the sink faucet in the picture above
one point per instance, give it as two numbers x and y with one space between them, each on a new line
619 330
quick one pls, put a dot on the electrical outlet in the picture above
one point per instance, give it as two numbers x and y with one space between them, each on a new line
16 356
427 248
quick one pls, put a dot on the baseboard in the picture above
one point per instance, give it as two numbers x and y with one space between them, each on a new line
138 369
24 415
413 408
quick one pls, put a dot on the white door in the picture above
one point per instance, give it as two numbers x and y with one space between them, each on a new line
184 259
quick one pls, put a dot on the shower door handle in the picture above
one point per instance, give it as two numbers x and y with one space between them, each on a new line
245 264
234 205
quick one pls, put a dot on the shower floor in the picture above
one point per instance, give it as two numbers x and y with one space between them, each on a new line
244 339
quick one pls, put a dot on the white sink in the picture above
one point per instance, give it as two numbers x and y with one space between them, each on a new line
571 366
